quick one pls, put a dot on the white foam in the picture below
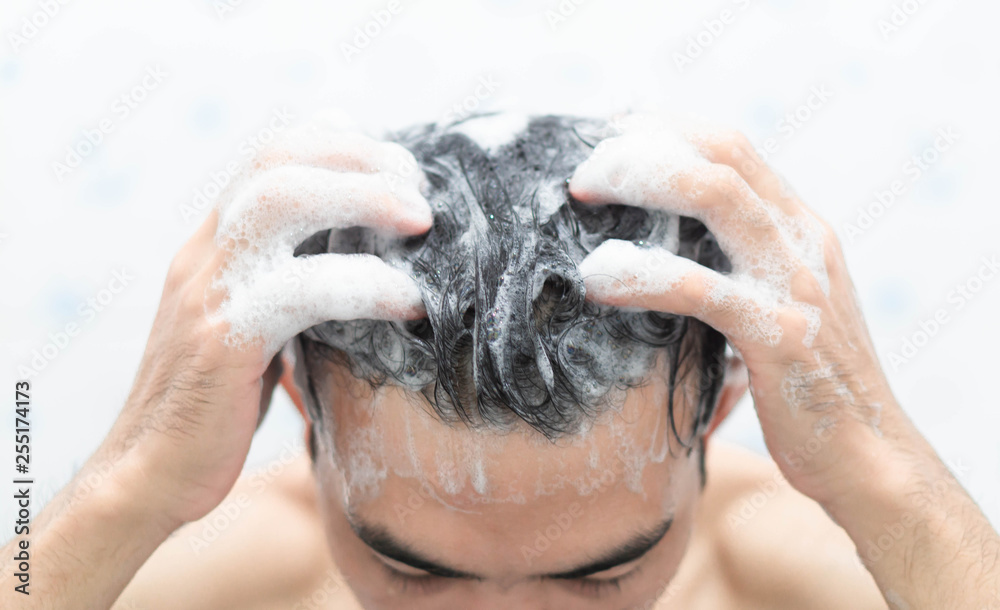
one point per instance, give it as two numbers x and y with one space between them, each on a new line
616 265
652 163
466 463
309 180
656 162
493 131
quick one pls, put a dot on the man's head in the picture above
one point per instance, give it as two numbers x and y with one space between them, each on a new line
518 444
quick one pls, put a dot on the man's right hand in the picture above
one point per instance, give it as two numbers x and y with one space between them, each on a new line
233 296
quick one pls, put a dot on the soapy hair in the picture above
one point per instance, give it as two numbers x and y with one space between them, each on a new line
509 335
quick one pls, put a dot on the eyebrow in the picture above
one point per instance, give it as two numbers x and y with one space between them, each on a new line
623 553
381 541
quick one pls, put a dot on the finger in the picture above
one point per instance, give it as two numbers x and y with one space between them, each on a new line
732 148
301 292
656 170
289 204
348 287
342 151
198 247
718 145
621 274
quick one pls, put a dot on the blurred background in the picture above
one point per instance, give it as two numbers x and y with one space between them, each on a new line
118 120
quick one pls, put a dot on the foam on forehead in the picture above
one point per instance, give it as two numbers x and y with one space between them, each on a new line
469 467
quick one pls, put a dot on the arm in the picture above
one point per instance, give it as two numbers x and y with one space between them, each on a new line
181 439
87 530
829 418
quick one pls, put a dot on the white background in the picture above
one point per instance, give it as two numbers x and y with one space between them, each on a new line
229 67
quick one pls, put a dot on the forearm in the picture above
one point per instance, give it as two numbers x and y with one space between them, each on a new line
918 531
87 544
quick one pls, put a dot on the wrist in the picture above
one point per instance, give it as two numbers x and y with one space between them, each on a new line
894 491
881 470
121 488
851 461
88 543
916 529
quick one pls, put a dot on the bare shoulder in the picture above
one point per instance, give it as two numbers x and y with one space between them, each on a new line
774 544
262 547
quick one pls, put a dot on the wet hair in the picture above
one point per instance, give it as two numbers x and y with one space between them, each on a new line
509 335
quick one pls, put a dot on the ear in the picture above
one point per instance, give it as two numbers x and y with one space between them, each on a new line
733 389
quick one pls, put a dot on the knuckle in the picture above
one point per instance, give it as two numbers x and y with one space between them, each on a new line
728 184
734 139
727 175
270 157
178 272
731 146
832 249
809 289
692 293
267 194
192 302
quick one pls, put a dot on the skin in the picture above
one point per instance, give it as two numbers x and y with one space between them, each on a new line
488 541
178 446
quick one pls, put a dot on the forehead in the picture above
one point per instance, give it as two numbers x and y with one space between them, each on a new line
388 441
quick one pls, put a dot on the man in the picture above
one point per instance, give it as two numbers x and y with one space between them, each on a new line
510 386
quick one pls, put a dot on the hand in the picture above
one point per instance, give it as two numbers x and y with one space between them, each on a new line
788 306
235 294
